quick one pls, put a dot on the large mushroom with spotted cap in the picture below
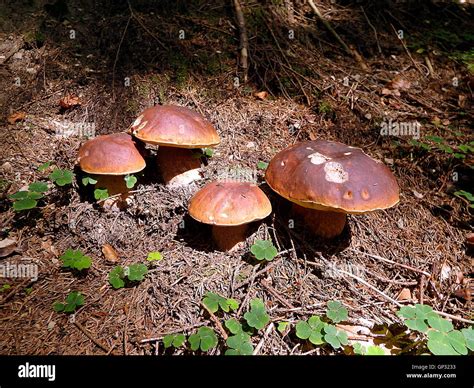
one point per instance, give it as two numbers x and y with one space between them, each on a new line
229 207
326 180
110 158
177 131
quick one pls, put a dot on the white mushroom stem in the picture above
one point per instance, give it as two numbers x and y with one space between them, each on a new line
178 166
229 238
325 224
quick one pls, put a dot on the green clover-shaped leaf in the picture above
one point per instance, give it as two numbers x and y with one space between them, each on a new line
5 287
213 301
209 152
234 326
87 180
116 277
262 165
75 260
204 339
38 187
73 300
24 204
440 344
264 250
101 194
374 350
20 195
311 330
359 349
334 337
154 256
62 177
465 194
469 337
44 166
440 324
282 326
336 312
175 340
58 307
416 317
257 317
239 345
130 181
136 272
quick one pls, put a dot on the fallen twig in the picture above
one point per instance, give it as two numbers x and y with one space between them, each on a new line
216 322
351 51
265 335
262 271
89 335
244 41
406 266
275 293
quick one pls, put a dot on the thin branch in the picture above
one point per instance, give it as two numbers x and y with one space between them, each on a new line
244 40
89 335
216 322
351 51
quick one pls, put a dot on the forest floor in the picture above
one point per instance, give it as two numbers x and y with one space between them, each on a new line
119 60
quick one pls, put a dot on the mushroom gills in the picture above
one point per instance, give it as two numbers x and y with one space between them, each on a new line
326 224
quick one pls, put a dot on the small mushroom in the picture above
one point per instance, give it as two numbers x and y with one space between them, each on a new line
326 180
110 158
177 130
229 207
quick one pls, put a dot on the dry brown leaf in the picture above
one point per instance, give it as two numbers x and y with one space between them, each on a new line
405 294
17 116
398 83
462 100
110 254
69 101
7 247
261 95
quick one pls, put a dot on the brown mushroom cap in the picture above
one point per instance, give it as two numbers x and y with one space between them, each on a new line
332 176
113 154
229 204
174 126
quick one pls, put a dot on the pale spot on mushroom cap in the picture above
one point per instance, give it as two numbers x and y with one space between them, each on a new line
309 148
348 195
137 121
335 172
282 163
317 158
365 194
142 125
223 215
347 153
211 218
181 129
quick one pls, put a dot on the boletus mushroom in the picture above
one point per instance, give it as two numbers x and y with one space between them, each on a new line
229 207
109 158
177 131
326 180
